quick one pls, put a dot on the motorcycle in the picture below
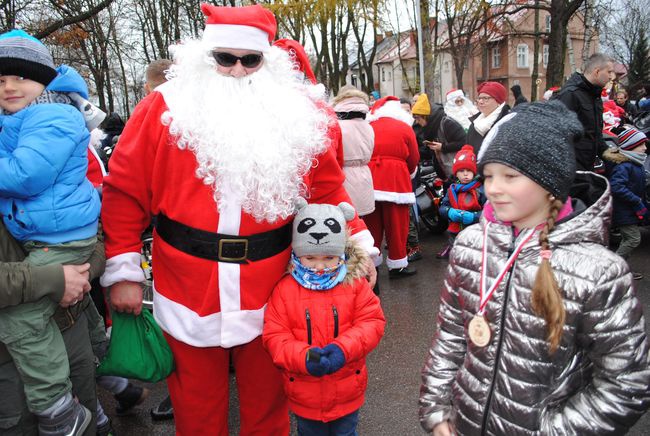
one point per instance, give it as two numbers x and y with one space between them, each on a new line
428 195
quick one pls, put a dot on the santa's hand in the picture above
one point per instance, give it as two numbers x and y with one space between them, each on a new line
126 297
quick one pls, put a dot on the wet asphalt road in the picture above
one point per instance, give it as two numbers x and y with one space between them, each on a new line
410 306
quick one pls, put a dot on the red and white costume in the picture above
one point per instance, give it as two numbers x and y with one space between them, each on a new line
210 310
394 161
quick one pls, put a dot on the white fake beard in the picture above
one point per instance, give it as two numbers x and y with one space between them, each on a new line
254 137
459 113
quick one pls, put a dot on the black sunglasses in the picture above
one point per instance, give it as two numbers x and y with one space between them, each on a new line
228 59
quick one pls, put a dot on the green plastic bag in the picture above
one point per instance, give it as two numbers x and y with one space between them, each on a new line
137 349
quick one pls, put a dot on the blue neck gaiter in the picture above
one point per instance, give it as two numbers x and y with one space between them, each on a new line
318 280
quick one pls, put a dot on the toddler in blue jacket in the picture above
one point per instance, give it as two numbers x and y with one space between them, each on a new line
50 207
627 177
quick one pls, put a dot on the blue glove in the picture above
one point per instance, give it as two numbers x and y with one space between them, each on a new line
336 357
320 367
467 218
455 215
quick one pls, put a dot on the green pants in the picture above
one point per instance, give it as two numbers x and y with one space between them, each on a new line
32 337
15 417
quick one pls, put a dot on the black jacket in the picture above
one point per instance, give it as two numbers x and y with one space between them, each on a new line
583 98
473 137
439 128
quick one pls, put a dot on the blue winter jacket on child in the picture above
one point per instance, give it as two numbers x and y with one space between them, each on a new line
44 193
627 180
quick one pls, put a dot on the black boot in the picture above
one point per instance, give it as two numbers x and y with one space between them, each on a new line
397 273
164 411
130 397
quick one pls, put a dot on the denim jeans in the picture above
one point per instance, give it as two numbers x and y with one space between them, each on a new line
344 426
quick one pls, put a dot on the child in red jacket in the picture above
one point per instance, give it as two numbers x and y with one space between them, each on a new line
321 322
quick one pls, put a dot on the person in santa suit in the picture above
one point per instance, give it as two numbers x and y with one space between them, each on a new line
219 154
394 161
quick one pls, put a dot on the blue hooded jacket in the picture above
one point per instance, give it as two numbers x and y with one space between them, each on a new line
44 193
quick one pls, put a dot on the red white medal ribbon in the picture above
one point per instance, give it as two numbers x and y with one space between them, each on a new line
485 296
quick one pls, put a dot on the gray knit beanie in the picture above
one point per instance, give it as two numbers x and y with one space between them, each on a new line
23 55
319 229
536 139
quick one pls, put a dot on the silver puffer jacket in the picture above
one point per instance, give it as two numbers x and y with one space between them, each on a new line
596 383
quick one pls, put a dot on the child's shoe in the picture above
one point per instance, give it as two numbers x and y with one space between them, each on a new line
163 411
72 422
106 429
637 276
444 253
414 253
130 397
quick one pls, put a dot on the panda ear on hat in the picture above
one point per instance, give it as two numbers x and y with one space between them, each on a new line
347 209
300 204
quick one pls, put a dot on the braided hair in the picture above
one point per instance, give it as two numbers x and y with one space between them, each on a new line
546 297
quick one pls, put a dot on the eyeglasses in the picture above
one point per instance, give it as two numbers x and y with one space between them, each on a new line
484 98
228 59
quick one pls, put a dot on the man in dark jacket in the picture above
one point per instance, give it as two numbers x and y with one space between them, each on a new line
21 282
581 94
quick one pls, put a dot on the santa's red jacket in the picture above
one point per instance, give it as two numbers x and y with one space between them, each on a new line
197 301
394 158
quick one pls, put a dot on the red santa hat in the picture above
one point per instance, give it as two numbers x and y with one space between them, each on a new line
549 92
454 94
494 90
299 57
247 27
604 94
465 159
382 102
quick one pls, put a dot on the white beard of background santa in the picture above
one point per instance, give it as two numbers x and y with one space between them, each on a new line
460 113
254 137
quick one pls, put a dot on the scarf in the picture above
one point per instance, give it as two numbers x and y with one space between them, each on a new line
317 280
483 124
637 158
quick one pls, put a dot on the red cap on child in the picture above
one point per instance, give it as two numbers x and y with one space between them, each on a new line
465 160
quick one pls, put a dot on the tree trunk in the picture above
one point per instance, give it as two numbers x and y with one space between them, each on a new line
534 91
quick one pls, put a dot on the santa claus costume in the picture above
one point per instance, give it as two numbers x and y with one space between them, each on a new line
394 160
219 161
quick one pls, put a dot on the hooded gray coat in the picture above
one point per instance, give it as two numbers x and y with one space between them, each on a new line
597 382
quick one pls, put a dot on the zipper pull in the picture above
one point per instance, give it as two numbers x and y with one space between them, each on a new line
336 320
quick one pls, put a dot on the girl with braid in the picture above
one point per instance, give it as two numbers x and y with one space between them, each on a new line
539 329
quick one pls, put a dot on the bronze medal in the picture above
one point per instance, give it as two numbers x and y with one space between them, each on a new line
479 331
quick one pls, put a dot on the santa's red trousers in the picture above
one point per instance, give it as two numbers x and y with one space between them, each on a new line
392 220
199 390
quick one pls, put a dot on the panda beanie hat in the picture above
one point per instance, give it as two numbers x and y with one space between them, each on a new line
320 229
23 55
537 139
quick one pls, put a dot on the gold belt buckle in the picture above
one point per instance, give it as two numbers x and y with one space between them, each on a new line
233 241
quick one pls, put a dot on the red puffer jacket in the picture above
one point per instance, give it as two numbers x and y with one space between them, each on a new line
296 319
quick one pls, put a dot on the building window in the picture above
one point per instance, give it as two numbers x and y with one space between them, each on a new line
383 75
548 24
545 56
389 78
522 56
496 57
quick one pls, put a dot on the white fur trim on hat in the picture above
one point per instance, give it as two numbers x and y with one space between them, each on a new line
456 93
236 36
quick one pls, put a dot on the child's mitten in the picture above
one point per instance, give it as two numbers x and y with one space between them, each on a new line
467 218
317 363
455 215
336 357
641 211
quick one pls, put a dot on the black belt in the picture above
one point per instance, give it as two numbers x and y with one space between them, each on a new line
220 247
